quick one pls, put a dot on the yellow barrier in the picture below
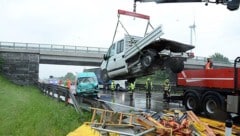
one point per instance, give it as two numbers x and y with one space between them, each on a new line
86 130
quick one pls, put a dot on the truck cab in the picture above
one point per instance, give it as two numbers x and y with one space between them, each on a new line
114 60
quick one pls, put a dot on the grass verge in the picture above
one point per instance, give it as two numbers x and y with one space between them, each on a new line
24 111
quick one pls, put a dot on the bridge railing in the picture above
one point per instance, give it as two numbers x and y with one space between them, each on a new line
50 47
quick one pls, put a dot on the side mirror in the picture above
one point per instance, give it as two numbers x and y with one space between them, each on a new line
105 57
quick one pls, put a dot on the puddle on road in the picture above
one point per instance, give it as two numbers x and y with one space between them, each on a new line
121 102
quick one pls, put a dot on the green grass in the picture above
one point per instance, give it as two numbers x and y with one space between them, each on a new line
25 111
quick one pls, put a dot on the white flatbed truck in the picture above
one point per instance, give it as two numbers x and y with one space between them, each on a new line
135 56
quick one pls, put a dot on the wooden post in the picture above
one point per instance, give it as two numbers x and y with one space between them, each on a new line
120 118
93 116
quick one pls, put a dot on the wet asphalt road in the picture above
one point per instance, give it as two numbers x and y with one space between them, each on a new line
120 101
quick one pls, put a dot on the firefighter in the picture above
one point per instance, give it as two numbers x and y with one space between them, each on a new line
60 82
68 84
209 64
148 87
167 90
113 86
131 88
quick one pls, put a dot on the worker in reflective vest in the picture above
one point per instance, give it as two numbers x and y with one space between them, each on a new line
148 87
131 88
69 84
167 90
113 86
209 64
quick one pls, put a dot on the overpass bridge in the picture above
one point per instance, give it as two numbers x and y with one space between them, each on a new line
22 60
58 54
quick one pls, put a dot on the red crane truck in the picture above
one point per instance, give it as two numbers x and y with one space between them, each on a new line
215 92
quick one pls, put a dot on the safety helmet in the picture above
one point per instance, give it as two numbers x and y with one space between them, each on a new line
148 79
167 81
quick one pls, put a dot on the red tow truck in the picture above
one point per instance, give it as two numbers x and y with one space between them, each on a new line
215 92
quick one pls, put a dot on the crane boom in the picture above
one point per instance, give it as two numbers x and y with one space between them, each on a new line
231 4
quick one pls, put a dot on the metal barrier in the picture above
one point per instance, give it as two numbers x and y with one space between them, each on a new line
60 93
50 47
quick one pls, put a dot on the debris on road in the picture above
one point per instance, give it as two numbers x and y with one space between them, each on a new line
167 123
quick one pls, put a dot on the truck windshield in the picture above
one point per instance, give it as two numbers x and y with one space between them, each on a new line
112 50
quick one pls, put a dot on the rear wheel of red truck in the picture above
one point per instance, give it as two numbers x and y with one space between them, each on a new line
191 102
213 106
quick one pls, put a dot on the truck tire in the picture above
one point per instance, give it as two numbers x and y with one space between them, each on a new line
104 76
131 80
148 58
176 65
213 106
192 102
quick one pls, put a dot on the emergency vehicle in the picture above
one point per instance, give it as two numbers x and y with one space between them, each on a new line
215 92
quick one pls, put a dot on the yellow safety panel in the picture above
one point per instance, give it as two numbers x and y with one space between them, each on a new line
86 130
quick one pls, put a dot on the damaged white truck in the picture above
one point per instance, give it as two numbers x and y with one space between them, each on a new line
134 56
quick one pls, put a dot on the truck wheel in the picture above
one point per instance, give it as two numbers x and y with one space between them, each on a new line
148 58
191 102
131 80
176 65
104 76
213 107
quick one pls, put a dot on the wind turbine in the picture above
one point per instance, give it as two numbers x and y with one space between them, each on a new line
192 30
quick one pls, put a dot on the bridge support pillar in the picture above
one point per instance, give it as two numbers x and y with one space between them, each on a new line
21 68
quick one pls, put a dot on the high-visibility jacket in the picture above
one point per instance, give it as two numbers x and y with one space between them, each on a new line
167 87
68 84
208 65
132 86
113 87
149 85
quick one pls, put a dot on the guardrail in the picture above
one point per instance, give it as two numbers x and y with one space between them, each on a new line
52 90
60 93
50 47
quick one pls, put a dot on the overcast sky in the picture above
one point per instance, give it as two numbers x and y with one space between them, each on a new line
92 23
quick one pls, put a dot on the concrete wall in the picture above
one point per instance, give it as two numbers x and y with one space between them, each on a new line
21 68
